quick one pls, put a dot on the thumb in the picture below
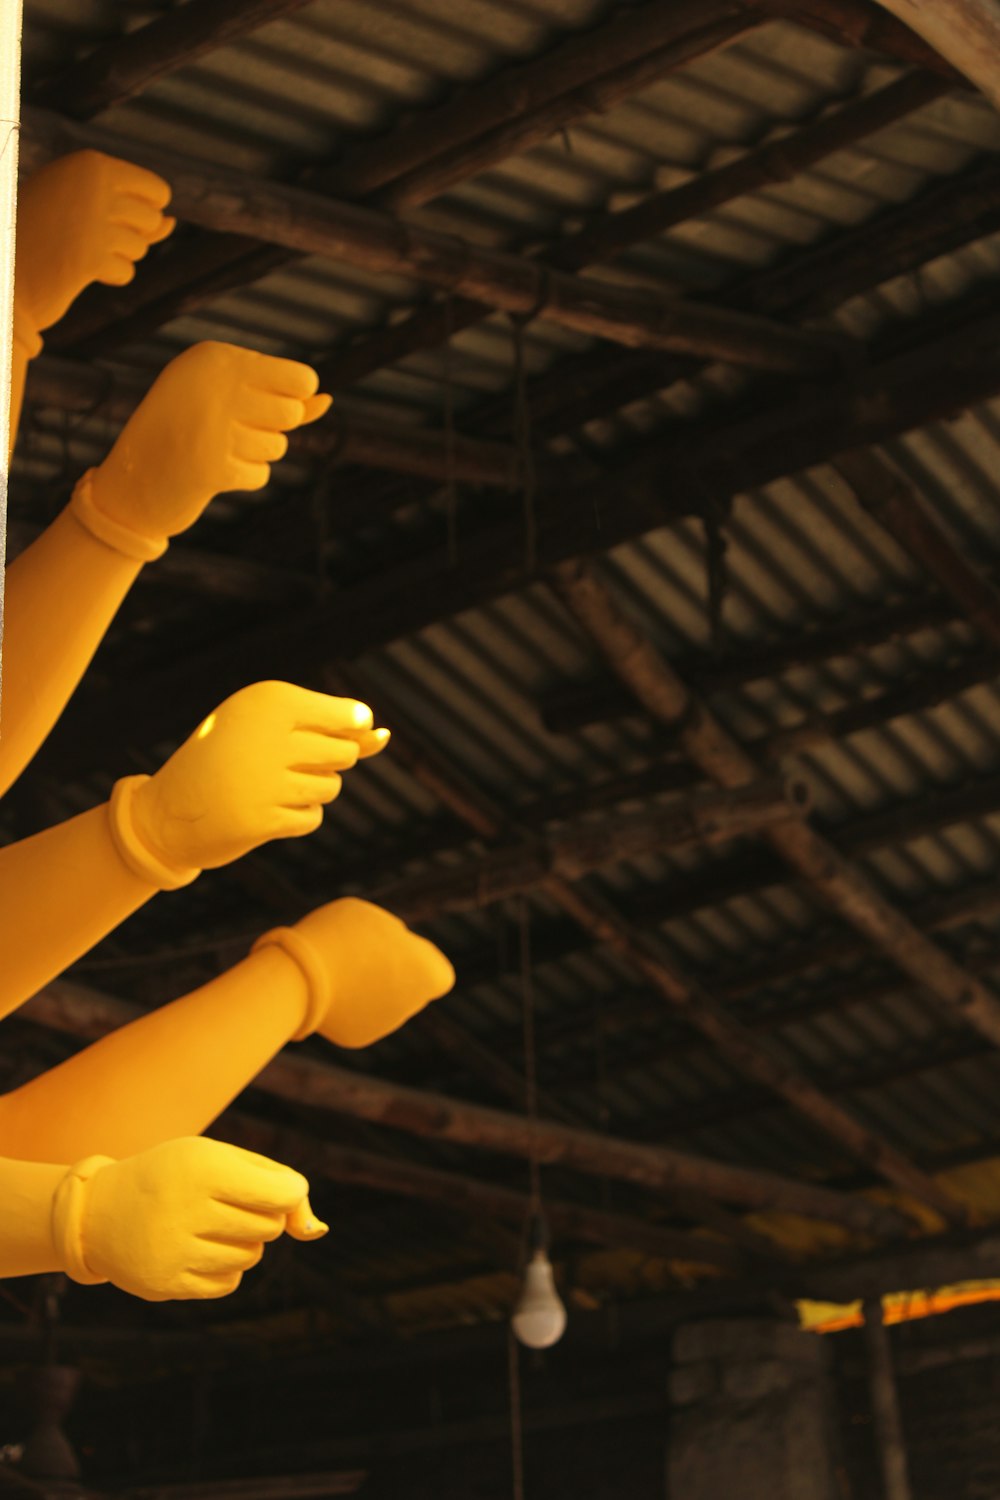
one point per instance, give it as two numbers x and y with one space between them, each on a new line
315 407
302 1223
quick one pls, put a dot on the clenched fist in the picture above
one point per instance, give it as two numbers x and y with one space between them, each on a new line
368 974
262 767
182 1220
83 218
214 420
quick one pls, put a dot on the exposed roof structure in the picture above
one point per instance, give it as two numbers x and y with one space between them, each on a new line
663 463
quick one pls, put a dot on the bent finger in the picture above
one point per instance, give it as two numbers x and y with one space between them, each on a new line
269 413
325 714
252 446
284 377
248 476
117 270
304 791
128 242
262 1186
222 1258
136 182
198 1287
243 1225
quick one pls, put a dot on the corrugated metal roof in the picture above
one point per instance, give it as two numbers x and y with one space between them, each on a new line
800 553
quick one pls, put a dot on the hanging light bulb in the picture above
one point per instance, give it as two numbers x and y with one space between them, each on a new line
539 1319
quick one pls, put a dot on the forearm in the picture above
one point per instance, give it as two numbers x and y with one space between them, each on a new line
165 1076
61 595
28 1190
60 893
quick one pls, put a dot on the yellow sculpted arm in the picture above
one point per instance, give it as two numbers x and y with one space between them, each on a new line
350 969
185 1220
263 766
86 217
214 420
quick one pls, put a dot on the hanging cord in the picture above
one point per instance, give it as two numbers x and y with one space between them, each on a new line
451 488
601 1086
522 442
516 1423
717 576
530 1055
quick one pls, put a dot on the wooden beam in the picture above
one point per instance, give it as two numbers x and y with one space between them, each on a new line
672 474
509 112
842 885
575 706
238 203
311 1084
751 1057
898 508
471 1196
568 854
608 234
523 106
121 68
966 32
67 385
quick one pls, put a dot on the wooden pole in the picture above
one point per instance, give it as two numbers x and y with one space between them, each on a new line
237 203
966 32
10 108
885 1406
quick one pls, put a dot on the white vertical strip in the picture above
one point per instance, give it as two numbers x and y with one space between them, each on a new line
10 113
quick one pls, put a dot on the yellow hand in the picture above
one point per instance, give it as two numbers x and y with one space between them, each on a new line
262 767
214 420
367 972
184 1220
86 217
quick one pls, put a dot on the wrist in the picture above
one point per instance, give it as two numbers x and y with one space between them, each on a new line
134 843
86 508
319 983
69 1211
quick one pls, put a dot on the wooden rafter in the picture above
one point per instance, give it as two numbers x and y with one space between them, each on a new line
119 69
308 1083
524 103
238 203
841 884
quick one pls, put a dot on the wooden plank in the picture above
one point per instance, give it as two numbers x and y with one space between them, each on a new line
123 67
238 203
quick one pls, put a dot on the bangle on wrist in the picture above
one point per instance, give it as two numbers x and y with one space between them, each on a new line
134 853
302 952
67 1219
113 534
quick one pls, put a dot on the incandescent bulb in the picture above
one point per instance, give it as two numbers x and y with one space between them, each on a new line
539 1319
